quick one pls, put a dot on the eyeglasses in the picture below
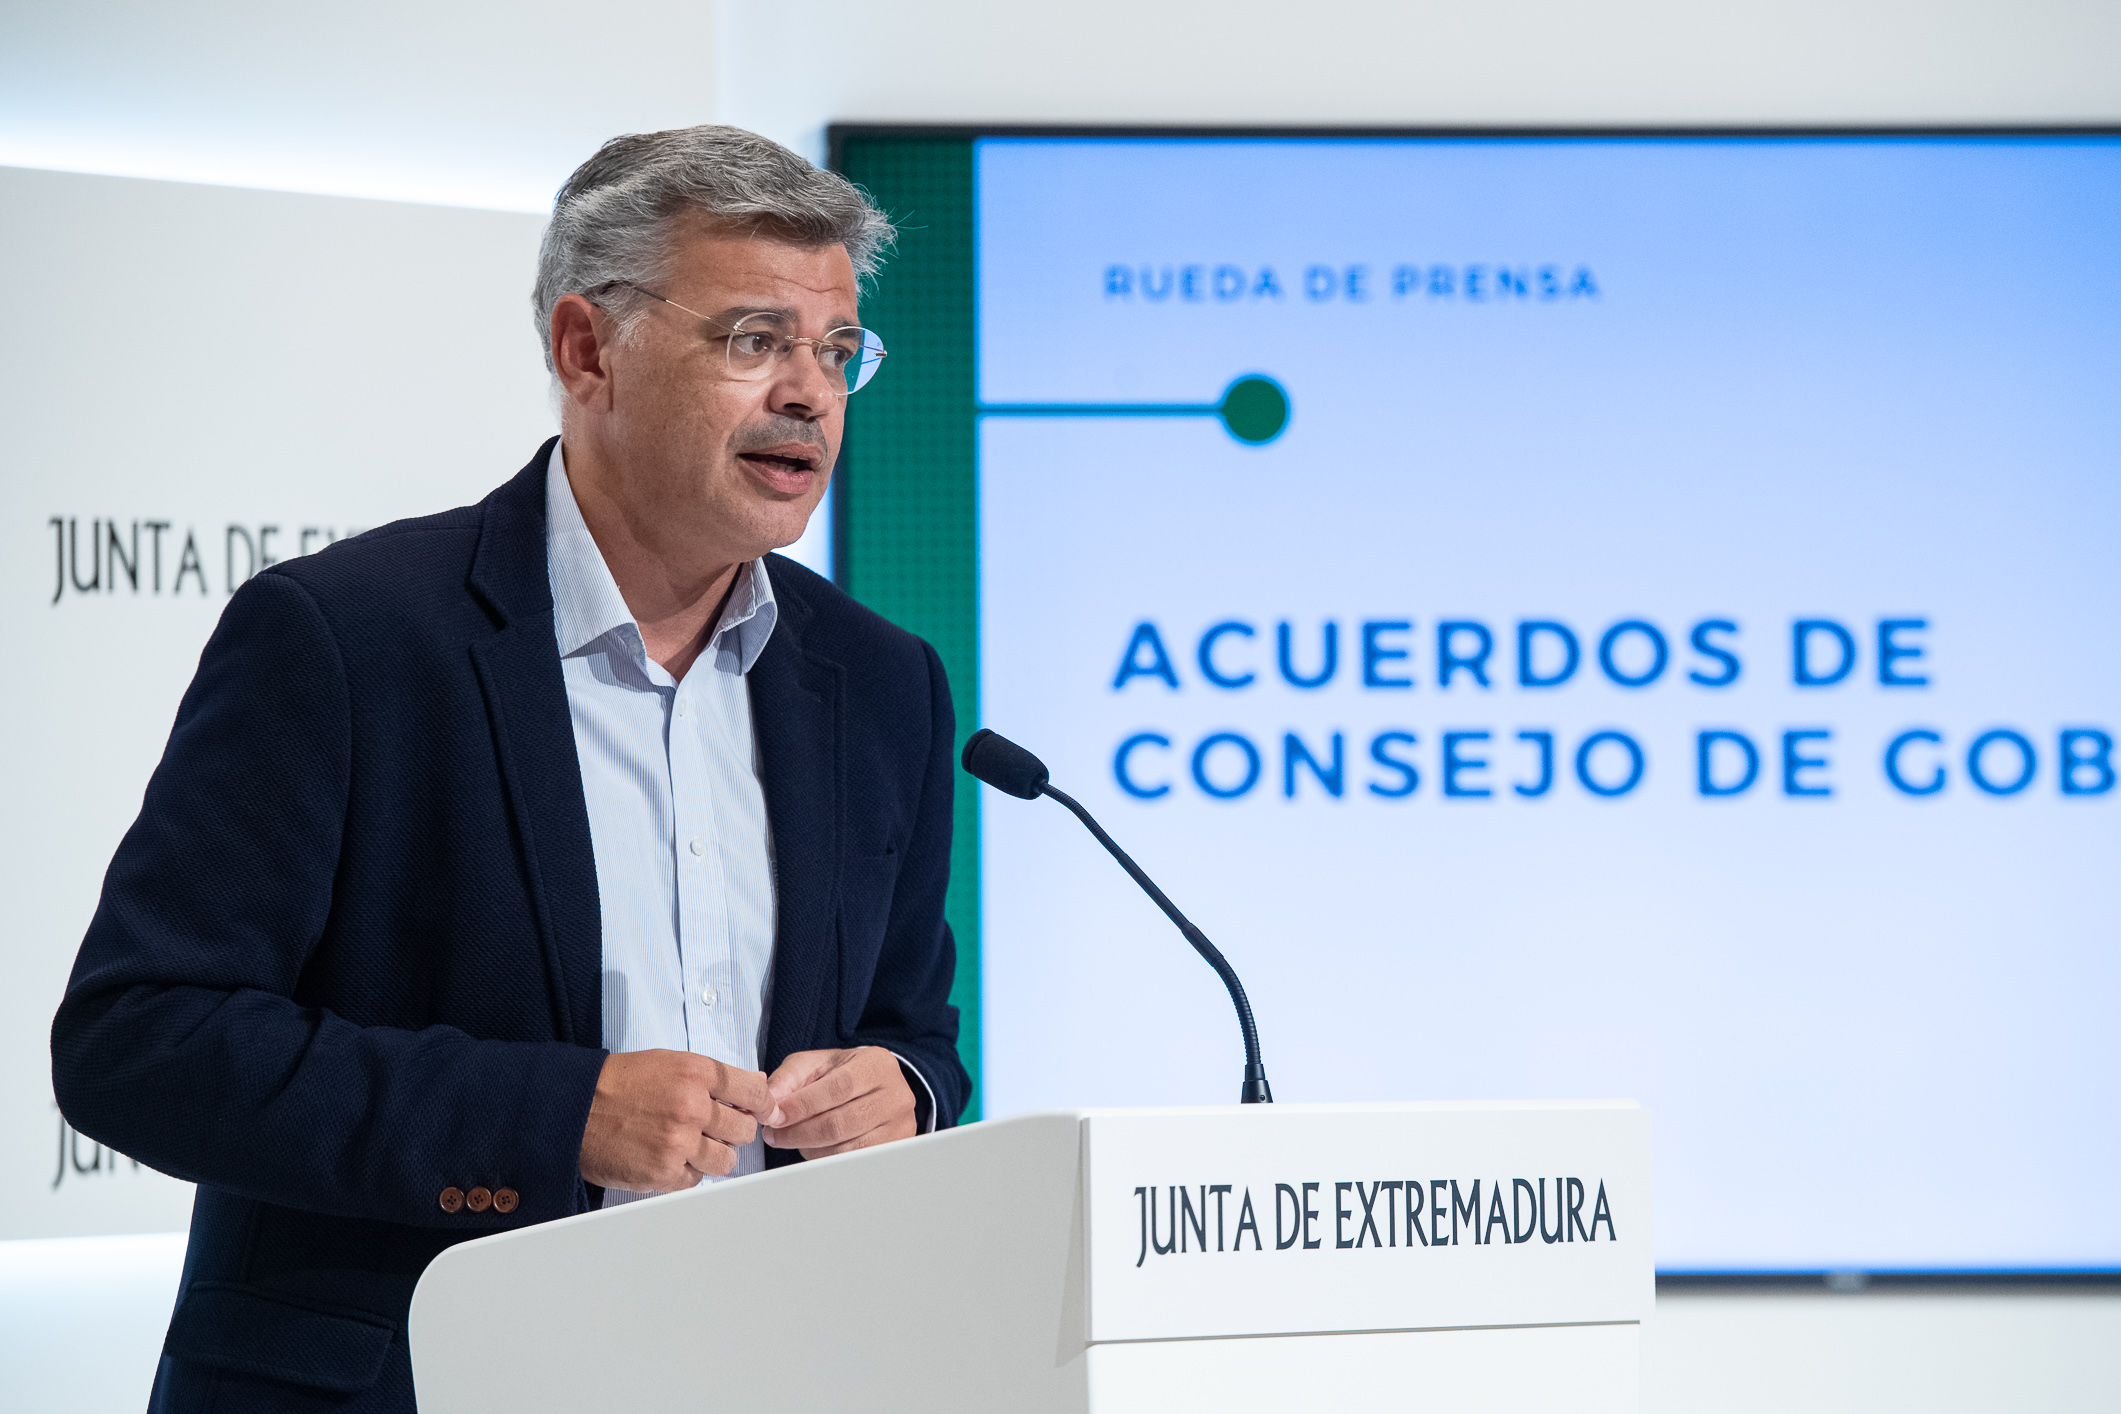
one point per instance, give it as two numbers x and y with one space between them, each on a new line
759 344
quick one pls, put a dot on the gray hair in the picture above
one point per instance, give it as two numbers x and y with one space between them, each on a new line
612 219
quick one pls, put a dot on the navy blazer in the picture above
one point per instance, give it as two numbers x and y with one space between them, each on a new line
349 955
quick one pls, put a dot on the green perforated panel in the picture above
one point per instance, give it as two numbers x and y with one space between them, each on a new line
905 525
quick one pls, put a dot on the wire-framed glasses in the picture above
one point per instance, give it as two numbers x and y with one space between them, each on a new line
759 344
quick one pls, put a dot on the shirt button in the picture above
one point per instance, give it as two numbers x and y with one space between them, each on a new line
699 846
681 706
707 995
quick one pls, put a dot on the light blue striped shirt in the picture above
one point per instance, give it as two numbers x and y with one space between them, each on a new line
677 813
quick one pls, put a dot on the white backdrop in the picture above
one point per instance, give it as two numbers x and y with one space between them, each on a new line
258 373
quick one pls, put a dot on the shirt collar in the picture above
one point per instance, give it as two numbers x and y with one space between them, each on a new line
587 605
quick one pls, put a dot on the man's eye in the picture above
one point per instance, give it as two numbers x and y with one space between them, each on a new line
750 344
834 357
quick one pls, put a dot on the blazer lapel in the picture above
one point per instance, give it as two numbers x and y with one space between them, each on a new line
796 717
518 668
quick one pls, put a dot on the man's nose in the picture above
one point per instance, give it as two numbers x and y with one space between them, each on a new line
801 386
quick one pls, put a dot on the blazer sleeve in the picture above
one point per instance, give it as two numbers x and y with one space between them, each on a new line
908 1010
179 1041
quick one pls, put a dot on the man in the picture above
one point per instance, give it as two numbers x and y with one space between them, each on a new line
549 852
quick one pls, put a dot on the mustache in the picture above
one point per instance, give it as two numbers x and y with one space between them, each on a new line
775 431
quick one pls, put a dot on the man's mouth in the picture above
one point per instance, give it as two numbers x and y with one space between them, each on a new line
775 460
786 466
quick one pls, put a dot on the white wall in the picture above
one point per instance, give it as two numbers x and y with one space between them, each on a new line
1883 1352
81 1320
472 103
464 102
1365 62
332 406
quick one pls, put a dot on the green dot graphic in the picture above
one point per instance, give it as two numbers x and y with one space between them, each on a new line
1255 409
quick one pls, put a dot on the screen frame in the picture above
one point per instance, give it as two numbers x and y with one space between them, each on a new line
848 512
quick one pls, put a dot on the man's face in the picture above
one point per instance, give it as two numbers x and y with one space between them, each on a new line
698 452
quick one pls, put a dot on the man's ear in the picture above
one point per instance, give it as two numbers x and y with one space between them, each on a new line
580 333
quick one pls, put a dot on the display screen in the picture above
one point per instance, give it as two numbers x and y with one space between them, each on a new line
1575 617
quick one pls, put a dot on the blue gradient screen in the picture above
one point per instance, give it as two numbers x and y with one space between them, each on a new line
1577 618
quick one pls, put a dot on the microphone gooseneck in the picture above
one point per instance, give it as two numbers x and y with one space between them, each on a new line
1009 768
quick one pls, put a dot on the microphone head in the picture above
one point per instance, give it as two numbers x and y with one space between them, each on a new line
1003 764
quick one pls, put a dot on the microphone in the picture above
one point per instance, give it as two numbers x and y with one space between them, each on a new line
1009 768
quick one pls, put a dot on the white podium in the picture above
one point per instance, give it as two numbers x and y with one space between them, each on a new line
1489 1257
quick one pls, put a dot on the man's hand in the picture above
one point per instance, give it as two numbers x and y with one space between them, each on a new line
663 1120
831 1102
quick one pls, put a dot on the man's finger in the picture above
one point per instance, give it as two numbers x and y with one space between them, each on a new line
799 1070
711 1159
834 1126
838 1086
729 1125
746 1089
867 1140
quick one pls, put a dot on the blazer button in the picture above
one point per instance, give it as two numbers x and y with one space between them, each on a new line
479 1199
505 1200
452 1199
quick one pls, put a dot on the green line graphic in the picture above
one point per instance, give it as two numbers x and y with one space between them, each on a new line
906 521
1254 409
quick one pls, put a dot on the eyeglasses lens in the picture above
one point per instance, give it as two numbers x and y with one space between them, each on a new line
865 356
760 343
756 345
